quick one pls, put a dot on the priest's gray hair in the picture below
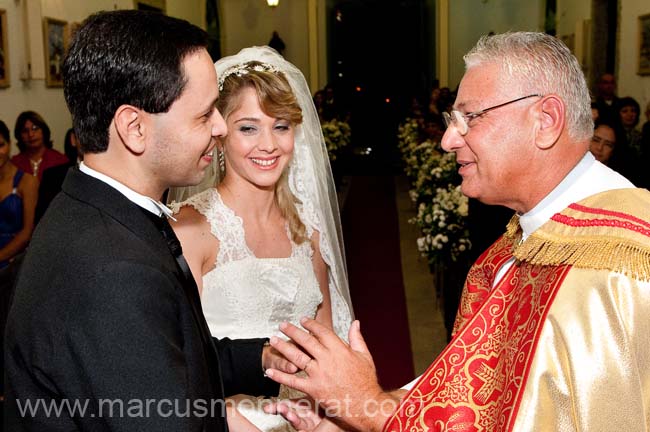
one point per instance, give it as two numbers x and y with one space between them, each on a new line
540 63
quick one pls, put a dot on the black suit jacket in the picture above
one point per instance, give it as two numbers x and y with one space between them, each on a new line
101 319
607 111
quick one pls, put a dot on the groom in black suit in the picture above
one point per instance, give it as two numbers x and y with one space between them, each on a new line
106 331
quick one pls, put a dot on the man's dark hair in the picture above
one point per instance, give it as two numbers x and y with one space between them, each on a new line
69 149
36 119
125 57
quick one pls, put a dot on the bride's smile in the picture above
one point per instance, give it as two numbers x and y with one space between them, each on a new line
258 147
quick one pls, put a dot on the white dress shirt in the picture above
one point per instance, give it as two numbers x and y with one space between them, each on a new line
143 201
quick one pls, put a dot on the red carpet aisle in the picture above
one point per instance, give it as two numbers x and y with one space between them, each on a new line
371 230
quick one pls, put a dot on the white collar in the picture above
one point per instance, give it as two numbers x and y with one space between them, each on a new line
587 178
143 201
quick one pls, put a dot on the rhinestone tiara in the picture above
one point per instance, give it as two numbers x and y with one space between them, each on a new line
243 69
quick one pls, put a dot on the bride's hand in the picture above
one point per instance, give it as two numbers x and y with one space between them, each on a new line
237 422
302 414
273 359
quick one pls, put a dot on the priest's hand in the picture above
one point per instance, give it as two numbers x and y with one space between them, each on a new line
340 377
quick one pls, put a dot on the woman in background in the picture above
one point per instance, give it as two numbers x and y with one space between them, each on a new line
609 147
18 192
603 142
33 139
52 178
629 110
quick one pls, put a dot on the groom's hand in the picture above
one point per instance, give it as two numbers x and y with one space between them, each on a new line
273 359
340 377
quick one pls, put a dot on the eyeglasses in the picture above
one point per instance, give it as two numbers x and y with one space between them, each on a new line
32 128
460 120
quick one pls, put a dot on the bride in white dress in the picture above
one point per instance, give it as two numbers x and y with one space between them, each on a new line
262 232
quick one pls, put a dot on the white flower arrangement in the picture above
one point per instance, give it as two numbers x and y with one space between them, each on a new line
438 170
442 223
442 208
337 135
408 133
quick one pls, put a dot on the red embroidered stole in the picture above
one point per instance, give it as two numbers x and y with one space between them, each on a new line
475 384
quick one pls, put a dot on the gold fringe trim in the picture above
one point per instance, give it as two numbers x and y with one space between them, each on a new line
601 248
617 255
513 230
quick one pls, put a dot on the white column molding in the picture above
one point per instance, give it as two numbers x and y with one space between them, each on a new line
313 32
442 42
33 66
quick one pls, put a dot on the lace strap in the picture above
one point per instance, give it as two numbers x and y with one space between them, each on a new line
225 225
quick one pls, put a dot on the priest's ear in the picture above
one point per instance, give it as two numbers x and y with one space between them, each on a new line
130 124
551 121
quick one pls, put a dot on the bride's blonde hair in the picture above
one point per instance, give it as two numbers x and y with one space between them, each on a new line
277 100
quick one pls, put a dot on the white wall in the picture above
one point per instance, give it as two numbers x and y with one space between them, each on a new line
470 19
573 19
629 83
32 94
247 23
572 12
569 13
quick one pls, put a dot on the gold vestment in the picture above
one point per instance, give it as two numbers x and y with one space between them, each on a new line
561 342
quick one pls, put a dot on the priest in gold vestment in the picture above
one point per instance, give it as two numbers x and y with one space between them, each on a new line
553 329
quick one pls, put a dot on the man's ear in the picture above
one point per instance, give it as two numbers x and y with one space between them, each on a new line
130 124
552 121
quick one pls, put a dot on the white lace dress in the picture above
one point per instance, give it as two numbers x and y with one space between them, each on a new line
248 297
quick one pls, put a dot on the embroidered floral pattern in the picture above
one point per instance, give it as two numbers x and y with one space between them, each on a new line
475 383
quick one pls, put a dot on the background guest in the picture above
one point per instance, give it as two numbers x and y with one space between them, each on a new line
645 148
595 113
603 143
53 177
18 191
609 147
277 43
606 98
628 110
33 139
645 131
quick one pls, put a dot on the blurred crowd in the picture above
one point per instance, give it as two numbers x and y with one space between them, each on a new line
28 181
621 139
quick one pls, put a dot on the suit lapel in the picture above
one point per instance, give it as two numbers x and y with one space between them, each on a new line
112 203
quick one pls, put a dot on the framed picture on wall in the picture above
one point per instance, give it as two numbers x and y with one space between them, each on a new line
644 45
73 27
4 50
55 34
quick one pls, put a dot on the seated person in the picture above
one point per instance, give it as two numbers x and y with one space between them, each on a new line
53 177
18 191
609 147
33 138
